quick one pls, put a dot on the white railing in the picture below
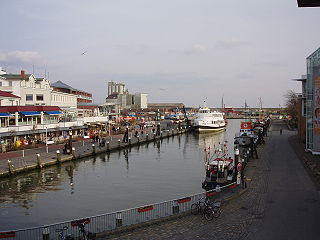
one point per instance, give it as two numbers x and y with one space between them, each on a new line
127 217
15 129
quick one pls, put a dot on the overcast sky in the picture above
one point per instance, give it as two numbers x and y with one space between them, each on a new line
174 50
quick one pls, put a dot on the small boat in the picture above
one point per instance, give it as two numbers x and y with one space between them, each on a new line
246 135
219 168
207 121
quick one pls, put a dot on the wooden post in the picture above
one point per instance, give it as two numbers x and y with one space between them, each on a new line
93 149
74 152
58 156
39 164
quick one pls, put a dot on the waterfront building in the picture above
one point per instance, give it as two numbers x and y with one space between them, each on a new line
8 99
82 96
118 95
165 107
301 109
313 103
35 91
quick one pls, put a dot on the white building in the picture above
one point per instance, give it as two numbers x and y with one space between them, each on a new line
8 99
35 91
141 100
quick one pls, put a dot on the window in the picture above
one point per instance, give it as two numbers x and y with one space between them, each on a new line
39 97
29 97
10 83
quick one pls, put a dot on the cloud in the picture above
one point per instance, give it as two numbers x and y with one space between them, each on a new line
195 49
232 43
20 57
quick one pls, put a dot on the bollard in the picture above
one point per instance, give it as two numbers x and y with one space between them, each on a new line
138 138
119 142
236 159
161 134
147 137
10 167
39 164
47 149
154 136
58 156
108 146
129 140
45 233
93 149
22 153
74 152
83 143
118 219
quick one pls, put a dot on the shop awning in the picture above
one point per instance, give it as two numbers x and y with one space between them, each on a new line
5 115
31 113
53 112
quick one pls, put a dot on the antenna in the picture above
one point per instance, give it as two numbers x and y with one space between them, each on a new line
33 69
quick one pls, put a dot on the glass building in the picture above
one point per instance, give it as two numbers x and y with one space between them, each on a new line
312 92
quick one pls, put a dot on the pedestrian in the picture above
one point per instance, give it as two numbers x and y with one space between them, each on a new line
280 131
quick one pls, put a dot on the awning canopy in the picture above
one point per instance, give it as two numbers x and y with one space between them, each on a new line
5 115
53 112
31 113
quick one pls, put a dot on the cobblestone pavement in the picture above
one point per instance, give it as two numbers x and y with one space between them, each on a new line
233 223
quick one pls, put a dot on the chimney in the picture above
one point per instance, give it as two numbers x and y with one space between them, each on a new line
22 74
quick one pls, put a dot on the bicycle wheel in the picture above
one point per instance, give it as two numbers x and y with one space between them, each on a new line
216 212
208 213
195 208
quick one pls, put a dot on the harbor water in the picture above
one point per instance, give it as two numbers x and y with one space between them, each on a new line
154 172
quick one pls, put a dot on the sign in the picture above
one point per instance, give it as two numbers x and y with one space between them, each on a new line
80 221
316 109
183 200
7 234
246 125
145 209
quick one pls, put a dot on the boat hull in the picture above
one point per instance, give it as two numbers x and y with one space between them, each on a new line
209 129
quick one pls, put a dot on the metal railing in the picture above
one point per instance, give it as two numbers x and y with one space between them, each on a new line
114 220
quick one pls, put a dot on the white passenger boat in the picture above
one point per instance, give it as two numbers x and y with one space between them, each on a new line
208 121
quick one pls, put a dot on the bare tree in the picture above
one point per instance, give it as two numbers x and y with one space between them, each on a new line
291 104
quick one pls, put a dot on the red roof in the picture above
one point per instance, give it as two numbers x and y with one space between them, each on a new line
29 108
6 94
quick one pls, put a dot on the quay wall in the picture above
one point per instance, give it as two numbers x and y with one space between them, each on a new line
44 160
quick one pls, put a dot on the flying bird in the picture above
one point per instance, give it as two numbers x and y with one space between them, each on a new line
84 53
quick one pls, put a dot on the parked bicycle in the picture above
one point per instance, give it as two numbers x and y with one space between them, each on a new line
62 236
84 235
205 207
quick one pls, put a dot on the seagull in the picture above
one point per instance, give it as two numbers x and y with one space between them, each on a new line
84 53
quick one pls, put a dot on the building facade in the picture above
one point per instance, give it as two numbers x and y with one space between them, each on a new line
313 103
120 96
